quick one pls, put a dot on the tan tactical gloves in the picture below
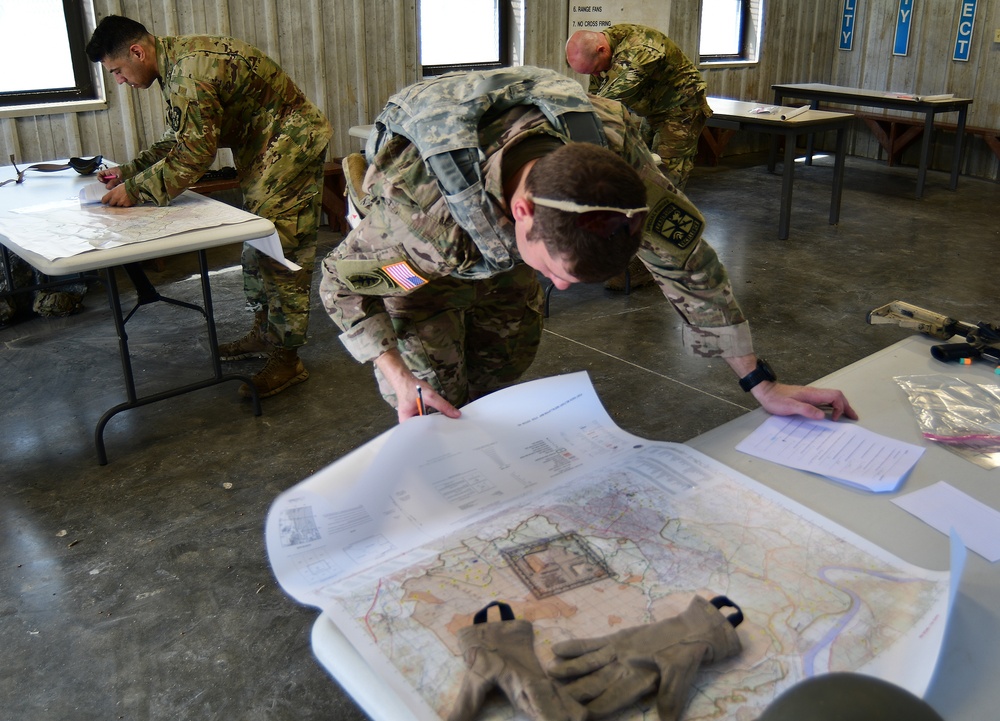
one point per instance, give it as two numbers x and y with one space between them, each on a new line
607 673
613 671
503 654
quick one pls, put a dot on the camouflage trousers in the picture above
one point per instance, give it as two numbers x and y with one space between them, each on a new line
295 212
468 338
676 141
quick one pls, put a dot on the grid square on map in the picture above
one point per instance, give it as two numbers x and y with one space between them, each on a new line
550 566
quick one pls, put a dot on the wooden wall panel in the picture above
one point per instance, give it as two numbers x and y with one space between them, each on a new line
928 69
350 55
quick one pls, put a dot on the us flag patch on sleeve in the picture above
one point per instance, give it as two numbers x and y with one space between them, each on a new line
403 275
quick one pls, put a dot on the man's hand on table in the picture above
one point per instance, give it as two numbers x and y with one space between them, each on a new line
117 197
110 177
781 399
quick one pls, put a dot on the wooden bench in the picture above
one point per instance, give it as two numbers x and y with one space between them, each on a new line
713 142
333 193
896 133
893 132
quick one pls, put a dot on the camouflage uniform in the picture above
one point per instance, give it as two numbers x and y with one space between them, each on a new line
62 300
395 281
651 75
222 92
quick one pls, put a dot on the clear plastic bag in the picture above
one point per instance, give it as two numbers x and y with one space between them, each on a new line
964 417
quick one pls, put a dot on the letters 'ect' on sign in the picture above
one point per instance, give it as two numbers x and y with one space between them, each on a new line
904 17
847 25
966 23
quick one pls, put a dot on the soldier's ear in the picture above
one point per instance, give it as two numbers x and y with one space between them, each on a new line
521 208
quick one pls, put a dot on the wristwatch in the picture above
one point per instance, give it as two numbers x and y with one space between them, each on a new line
761 373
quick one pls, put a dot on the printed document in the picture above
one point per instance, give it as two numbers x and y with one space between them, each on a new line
841 451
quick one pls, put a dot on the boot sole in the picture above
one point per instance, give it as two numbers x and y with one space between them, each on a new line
245 390
243 356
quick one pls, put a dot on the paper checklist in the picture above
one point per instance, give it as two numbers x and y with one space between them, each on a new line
841 451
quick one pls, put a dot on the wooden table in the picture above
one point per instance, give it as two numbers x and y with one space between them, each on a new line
816 93
739 115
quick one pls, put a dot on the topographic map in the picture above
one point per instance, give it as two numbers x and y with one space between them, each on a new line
624 544
66 228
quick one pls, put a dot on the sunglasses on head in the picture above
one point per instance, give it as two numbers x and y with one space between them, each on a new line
606 223
600 220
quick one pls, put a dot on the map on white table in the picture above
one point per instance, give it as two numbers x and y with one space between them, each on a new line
65 228
536 498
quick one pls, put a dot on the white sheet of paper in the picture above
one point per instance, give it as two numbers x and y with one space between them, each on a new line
271 245
841 451
92 193
944 507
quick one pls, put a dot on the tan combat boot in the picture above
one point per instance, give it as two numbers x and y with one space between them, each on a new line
253 345
283 369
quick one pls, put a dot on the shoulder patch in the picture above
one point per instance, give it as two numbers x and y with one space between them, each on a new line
365 281
403 275
674 223
174 118
392 275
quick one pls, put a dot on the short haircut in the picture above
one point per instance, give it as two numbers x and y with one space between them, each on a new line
586 174
113 36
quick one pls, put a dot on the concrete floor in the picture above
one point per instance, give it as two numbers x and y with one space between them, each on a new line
141 589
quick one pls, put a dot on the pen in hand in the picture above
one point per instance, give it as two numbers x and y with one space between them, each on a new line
420 401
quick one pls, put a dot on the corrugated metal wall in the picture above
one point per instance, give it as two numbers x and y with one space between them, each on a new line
350 55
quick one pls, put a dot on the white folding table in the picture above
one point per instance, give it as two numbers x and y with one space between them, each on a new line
963 688
41 188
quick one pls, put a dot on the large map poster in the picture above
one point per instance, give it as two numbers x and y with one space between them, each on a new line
602 15
585 530
64 228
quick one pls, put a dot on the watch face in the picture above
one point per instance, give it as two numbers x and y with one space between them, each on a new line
762 372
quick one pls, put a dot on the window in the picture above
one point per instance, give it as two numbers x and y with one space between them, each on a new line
42 57
463 35
730 30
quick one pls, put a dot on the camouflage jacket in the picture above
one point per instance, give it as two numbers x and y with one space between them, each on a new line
222 92
649 74
409 238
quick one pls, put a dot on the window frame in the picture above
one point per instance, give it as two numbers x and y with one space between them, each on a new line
504 23
87 95
751 24
83 88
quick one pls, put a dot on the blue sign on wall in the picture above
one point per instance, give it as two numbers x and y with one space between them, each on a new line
903 17
966 22
847 25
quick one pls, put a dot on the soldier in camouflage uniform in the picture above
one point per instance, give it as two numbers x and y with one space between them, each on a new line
412 291
644 69
222 92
